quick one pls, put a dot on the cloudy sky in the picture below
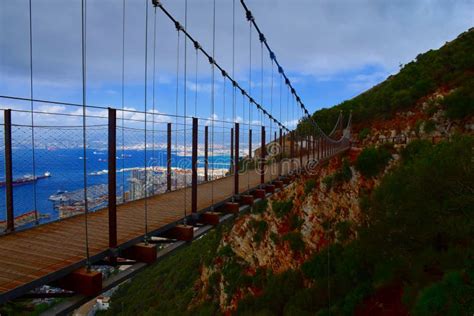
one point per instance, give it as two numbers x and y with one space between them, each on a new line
331 49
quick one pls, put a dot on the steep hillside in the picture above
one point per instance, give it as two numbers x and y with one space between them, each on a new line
385 229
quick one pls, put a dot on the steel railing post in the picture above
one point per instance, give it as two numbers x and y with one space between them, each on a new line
194 183
168 157
206 153
9 170
112 177
236 160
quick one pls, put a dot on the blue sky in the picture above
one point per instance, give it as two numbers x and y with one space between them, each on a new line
331 50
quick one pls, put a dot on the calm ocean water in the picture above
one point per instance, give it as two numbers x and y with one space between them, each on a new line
66 168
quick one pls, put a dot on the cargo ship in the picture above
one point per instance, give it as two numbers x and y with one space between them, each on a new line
26 179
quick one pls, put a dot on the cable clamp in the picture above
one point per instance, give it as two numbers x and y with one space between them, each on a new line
262 37
178 26
156 3
249 15
196 45
211 60
224 74
272 55
287 81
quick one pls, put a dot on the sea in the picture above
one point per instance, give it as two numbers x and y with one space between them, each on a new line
66 167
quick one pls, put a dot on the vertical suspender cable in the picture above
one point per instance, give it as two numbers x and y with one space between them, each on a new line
146 123
262 118
233 60
32 117
83 54
250 92
271 102
178 28
154 104
185 101
213 98
233 85
196 83
223 115
123 101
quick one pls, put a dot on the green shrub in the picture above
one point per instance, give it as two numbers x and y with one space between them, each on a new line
296 222
343 230
460 103
295 241
342 175
260 227
260 206
282 208
309 186
415 148
328 181
429 126
364 133
372 161
275 238
451 296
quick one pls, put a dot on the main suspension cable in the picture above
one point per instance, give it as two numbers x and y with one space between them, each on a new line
185 32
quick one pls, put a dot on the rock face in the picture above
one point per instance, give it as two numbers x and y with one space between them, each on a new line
426 120
270 240
316 211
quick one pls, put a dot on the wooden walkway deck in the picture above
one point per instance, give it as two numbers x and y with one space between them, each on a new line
42 254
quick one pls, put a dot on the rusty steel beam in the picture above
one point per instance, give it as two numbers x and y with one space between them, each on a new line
168 158
194 183
9 170
232 161
112 178
206 153
236 160
250 143
262 156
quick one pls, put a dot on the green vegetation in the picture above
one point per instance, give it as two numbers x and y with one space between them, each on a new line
373 160
422 217
260 206
295 241
23 308
417 235
342 175
309 186
450 66
364 133
460 103
167 287
282 208
429 126
260 228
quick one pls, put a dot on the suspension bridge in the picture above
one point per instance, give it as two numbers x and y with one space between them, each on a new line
186 170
